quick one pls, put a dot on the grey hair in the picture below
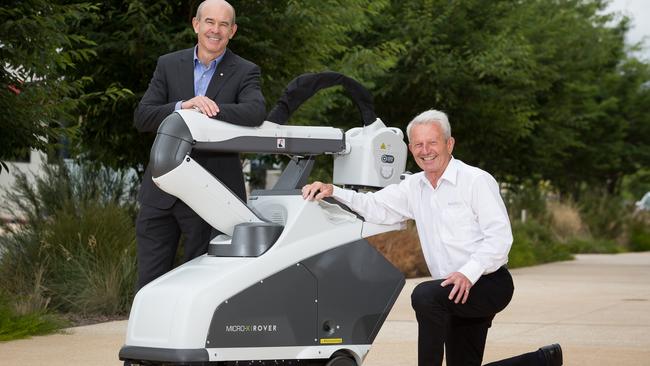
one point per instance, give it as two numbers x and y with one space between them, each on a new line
431 116
198 10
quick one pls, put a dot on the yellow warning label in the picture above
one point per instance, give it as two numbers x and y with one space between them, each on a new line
331 340
383 146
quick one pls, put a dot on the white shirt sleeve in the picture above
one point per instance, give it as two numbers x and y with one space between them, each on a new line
494 222
387 206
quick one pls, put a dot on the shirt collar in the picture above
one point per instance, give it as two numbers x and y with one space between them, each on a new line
450 174
214 62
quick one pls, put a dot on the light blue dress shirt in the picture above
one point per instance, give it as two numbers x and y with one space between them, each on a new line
202 75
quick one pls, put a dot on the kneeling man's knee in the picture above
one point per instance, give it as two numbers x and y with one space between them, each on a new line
427 295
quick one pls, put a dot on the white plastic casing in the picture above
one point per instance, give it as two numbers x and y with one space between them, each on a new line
375 156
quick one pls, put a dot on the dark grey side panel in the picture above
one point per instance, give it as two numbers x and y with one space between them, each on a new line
173 142
343 293
357 287
274 192
134 353
277 145
279 311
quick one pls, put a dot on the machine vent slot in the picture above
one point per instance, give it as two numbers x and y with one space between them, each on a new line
278 217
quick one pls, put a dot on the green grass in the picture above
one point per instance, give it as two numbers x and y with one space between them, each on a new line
16 326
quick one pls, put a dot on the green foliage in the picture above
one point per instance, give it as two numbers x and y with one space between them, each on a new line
91 256
534 244
16 326
639 232
593 245
636 185
76 251
540 90
604 214
42 83
37 47
529 196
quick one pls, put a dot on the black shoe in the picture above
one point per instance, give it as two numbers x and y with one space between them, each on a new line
552 354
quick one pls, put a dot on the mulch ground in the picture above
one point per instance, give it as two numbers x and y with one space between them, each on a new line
76 320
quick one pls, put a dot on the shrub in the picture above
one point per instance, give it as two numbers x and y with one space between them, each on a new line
76 251
639 232
402 249
91 260
565 221
533 244
604 214
593 245
529 196
22 271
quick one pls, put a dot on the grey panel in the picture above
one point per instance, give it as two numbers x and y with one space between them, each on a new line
296 173
290 145
173 142
357 287
249 239
278 311
274 192
135 354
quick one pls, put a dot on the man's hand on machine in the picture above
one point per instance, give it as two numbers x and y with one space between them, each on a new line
317 190
202 104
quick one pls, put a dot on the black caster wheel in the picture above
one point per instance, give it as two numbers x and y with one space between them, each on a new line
341 361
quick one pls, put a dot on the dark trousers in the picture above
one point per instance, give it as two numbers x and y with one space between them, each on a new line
461 329
158 232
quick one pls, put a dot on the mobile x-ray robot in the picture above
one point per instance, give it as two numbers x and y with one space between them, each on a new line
289 281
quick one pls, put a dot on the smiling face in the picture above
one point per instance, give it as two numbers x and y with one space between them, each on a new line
214 27
430 149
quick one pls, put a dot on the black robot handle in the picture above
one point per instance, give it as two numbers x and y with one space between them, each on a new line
306 85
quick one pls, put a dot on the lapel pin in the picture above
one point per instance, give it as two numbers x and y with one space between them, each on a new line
221 74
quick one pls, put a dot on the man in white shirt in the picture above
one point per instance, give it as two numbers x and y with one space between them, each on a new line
465 236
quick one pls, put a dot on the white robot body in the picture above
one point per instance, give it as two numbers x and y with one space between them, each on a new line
288 281
374 158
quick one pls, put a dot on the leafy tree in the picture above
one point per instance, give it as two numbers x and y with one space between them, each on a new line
579 134
534 89
37 48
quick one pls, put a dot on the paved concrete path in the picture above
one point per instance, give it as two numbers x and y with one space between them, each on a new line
597 307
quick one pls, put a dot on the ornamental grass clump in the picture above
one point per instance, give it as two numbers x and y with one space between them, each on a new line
75 252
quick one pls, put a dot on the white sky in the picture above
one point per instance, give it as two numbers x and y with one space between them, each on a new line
639 13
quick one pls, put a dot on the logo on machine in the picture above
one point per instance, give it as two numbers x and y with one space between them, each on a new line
250 328
281 144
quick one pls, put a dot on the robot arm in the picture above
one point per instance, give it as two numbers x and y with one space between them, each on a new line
175 172
372 156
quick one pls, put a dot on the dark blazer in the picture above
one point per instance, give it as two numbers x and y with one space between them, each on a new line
235 87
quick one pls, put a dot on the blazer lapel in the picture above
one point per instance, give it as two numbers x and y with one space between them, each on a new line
186 74
223 72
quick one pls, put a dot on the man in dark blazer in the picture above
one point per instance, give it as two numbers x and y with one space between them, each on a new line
212 79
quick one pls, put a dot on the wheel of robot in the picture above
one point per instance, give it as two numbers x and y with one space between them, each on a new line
341 361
